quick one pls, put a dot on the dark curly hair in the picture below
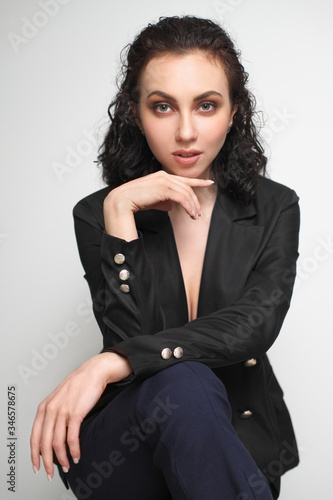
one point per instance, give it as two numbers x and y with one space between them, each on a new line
125 154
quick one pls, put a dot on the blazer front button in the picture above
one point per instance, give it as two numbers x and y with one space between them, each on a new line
119 258
178 353
246 414
124 288
250 362
124 274
166 353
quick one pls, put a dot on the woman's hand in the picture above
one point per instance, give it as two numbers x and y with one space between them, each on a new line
59 416
158 190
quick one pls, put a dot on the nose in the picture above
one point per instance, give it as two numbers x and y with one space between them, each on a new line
186 130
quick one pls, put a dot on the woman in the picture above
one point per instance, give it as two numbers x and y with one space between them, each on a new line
190 257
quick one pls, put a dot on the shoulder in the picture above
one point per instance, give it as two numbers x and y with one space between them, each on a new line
90 208
275 201
274 192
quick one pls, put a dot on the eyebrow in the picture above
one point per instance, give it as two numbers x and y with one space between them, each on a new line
209 93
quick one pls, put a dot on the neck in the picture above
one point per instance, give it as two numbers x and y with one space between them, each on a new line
206 196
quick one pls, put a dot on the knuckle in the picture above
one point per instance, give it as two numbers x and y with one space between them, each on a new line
43 448
33 441
41 407
51 407
71 439
57 445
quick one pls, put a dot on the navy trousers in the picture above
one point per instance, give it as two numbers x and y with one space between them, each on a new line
167 437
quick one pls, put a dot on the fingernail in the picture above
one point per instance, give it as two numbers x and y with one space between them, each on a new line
196 217
76 460
49 477
201 214
212 182
65 469
34 468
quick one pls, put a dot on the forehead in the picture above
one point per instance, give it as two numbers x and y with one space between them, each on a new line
195 71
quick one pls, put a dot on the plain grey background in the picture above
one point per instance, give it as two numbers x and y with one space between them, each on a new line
59 60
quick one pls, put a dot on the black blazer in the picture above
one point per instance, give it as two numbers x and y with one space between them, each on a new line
245 292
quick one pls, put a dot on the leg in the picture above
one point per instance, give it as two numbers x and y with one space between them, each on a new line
178 422
115 460
195 444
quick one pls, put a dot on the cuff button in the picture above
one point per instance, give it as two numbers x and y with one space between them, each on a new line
119 258
124 288
178 353
124 274
166 353
250 362
246 414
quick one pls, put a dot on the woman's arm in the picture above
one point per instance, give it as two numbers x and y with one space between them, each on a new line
244 329
133 324
156 190
60 415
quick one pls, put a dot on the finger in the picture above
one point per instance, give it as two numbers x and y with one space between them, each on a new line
194 181
73 438
59 442
173 188
184 195
35 437
47 438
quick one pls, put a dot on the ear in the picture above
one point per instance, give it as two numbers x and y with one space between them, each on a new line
134 109
233 112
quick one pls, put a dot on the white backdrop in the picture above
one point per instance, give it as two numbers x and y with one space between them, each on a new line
59 60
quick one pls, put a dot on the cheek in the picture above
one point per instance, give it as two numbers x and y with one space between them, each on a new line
157 135
215 134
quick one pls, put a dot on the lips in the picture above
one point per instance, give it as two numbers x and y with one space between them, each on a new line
187 156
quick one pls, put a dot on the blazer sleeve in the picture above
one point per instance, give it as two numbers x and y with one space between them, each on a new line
120 279
245 329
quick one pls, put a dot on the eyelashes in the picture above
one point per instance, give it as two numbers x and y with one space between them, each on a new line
165 108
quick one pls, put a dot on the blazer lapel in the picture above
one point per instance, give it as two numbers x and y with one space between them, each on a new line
232 244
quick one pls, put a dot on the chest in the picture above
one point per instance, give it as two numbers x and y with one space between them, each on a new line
191 242
203 270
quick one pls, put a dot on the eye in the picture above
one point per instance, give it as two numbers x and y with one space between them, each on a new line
161 107
207 106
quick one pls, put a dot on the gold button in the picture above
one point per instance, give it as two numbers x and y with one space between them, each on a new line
166 353
178 352
119 258
246 414
124 288
250 362
124 274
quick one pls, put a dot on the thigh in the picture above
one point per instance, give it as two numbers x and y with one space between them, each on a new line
116 461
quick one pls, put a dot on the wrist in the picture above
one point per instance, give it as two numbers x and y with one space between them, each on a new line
114 367
119 216
117 203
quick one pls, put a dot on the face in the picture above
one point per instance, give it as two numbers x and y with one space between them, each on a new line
184 112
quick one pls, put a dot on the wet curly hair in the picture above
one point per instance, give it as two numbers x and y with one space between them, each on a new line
125 154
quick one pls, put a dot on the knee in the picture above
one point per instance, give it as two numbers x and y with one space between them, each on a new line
190 384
